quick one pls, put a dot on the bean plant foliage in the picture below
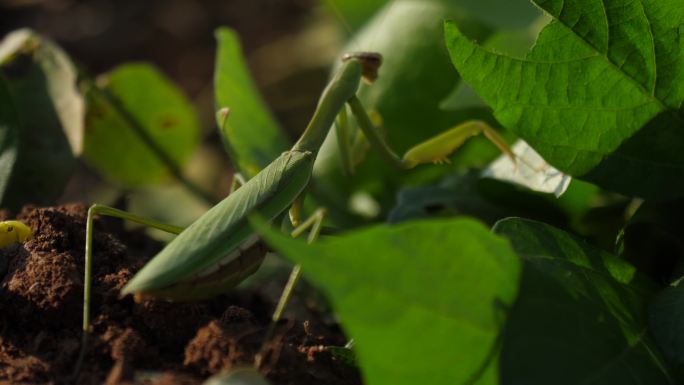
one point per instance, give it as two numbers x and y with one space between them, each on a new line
439 275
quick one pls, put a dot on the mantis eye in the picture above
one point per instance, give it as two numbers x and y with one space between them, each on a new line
370 61
10 229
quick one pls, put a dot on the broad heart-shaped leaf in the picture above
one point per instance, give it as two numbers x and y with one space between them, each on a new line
424 301
250 134
666 318
414 78
39 147
599 96
580 316
113 144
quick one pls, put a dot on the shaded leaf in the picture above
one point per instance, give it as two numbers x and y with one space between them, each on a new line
8 138
652 240
666 318
251 135
580 316
351 14
587 96
501 13
41 83
424 301
140 98
461 194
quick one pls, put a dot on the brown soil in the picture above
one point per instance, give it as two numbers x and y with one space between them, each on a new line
41 289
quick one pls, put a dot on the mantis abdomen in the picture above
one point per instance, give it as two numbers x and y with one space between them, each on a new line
187 267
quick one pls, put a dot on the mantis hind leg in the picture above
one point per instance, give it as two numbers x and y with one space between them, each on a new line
94 210
314 224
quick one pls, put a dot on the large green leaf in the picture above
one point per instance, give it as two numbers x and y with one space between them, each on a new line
588 97
137 105
251 135
424 301
580 316
39 147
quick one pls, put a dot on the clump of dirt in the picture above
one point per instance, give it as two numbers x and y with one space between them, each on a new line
41 291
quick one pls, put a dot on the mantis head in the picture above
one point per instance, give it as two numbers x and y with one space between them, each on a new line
370 61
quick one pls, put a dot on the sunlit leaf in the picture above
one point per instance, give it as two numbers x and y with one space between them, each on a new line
40 80
424 301
251 135
587 97
137 105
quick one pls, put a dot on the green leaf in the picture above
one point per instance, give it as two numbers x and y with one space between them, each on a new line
501 13
251 135
461 194
8 138
587 97
424 301
580 317
40 142
666 317
135 98
353 13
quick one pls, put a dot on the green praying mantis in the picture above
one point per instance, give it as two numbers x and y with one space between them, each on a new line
206 258
219 250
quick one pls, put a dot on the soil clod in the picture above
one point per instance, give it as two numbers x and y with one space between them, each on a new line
41 290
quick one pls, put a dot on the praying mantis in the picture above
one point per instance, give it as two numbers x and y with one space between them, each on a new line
215 252
220 249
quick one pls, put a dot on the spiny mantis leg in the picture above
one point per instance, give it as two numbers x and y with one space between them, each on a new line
433 150
98 209
315 224
352 144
